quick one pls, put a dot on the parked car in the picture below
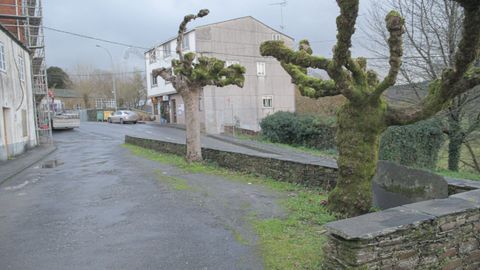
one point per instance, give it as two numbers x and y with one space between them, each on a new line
123 117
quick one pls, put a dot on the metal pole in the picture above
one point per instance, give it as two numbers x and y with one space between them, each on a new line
113 76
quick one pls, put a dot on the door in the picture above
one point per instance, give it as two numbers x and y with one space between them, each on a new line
7 130
165 112
174 111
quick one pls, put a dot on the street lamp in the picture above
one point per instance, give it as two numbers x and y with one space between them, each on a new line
113 76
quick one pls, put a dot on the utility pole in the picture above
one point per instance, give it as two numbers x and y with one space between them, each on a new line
113 77
282 5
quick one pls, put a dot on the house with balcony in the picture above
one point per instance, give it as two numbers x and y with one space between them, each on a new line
267 88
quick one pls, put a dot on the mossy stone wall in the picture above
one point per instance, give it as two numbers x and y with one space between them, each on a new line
278 169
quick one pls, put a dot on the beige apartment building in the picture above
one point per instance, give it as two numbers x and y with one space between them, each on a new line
267 89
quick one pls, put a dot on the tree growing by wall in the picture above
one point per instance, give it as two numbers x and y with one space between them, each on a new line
366 114
188 75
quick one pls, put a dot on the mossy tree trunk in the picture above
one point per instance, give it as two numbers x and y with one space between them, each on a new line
358 135
366 115
192 119
190 78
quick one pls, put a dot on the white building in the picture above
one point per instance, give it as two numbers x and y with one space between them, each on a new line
17 121
267 88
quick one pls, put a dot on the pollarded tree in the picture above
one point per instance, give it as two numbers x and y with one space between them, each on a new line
188 75
366 114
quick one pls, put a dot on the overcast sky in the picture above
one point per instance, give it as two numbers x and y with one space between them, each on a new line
147 22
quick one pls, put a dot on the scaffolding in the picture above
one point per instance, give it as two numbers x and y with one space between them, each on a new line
24 19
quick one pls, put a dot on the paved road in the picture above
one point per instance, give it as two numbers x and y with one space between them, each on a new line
227 143
153 131
101 207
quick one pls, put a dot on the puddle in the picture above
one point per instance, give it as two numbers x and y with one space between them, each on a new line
51 164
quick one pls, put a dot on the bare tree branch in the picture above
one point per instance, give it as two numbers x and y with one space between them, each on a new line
310 86
302 57
183 28
165 73
341 53
395 26
454 81
473 156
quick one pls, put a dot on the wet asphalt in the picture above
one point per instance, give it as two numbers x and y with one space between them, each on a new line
94 205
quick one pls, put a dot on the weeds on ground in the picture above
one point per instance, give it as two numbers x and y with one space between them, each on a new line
330 153
293 242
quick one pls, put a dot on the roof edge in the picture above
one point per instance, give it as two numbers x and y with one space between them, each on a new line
14 38
239 18
210 24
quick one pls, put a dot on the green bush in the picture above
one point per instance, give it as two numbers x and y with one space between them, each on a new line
302 130
414 145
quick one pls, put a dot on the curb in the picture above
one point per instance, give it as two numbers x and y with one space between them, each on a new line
234 142
223 139
28 165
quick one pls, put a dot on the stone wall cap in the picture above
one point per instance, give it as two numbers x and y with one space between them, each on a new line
443 207
375 224
463 183
470 196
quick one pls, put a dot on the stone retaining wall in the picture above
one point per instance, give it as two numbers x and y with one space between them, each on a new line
278 169
434 234
232 130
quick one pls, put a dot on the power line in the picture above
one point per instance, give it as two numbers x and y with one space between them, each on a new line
94 38
244 44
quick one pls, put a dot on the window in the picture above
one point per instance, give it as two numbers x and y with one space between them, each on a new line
275 37
152 56
21 68
261 69
186 43
103 103
154 81
167 50
231 62
267 102
3 64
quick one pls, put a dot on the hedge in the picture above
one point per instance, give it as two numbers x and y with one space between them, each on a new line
414 145
300 130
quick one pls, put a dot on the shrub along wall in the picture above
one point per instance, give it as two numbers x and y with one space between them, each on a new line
302 130
278 169
414 145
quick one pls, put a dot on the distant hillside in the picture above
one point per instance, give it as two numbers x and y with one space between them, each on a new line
399 94
406 94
